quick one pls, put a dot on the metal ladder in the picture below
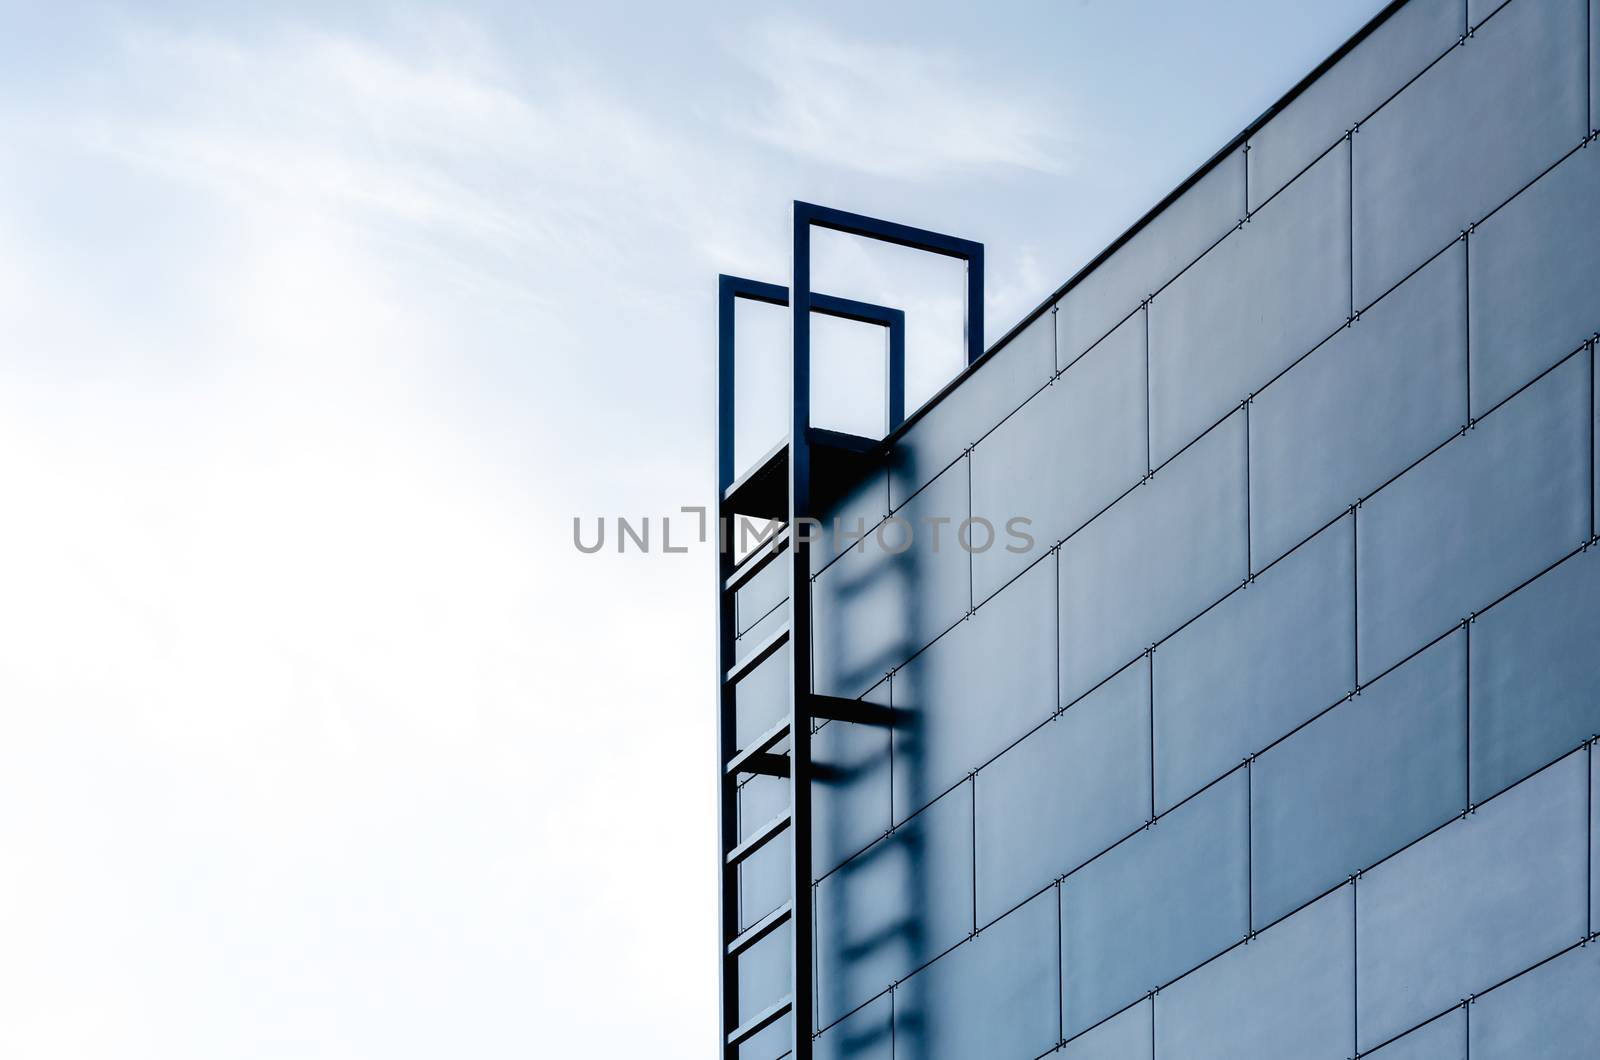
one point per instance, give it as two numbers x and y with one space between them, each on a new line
784 486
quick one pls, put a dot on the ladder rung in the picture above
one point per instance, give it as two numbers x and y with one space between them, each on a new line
757 561
762 1020
766 742
768 764
761 929
759 653
760 838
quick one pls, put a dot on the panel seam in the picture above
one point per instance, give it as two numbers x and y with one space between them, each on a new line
1355 593
1350 209
1152 743
1057 705
971 591
1466 310
1249 849
973 821
1355 968
1249 545
1061 973
1466 627
1148 430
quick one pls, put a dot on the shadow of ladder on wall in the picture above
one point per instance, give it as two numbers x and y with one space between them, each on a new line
784 486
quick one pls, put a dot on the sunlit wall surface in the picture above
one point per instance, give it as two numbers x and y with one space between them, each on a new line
1278 743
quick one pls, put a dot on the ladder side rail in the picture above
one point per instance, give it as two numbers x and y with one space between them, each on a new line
802 974
727 789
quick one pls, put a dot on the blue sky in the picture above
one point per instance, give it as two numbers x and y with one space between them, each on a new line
319 327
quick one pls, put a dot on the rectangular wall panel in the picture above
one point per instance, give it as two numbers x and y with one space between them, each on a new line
875 608
1003 382
1535 271
975 690
761 798
1065 455
1536 675
1139 268
1264 296
866 1034
1155 906
1361 781
1465 136
1478 11
764 877
1165 552
1064 794
1378 67
761 697
1443 1039
846 510
851 788
894 907
756 598
771 1043
1550 1012
994 995
1289 992
1248 671
1475 902
1476 519
1594 65
1125 1036
763 972
758 634
1368 403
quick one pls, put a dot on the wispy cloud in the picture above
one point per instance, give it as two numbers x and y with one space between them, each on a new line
892 110
403 134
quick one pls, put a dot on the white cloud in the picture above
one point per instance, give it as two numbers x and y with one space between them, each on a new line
892 110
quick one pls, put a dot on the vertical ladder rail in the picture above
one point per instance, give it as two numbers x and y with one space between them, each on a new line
729 290
802 974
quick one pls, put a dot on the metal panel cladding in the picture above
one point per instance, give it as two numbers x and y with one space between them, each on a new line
1280 739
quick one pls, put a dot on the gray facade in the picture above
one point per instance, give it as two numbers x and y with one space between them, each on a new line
1279 742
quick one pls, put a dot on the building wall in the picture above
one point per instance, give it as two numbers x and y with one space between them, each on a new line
1279 743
